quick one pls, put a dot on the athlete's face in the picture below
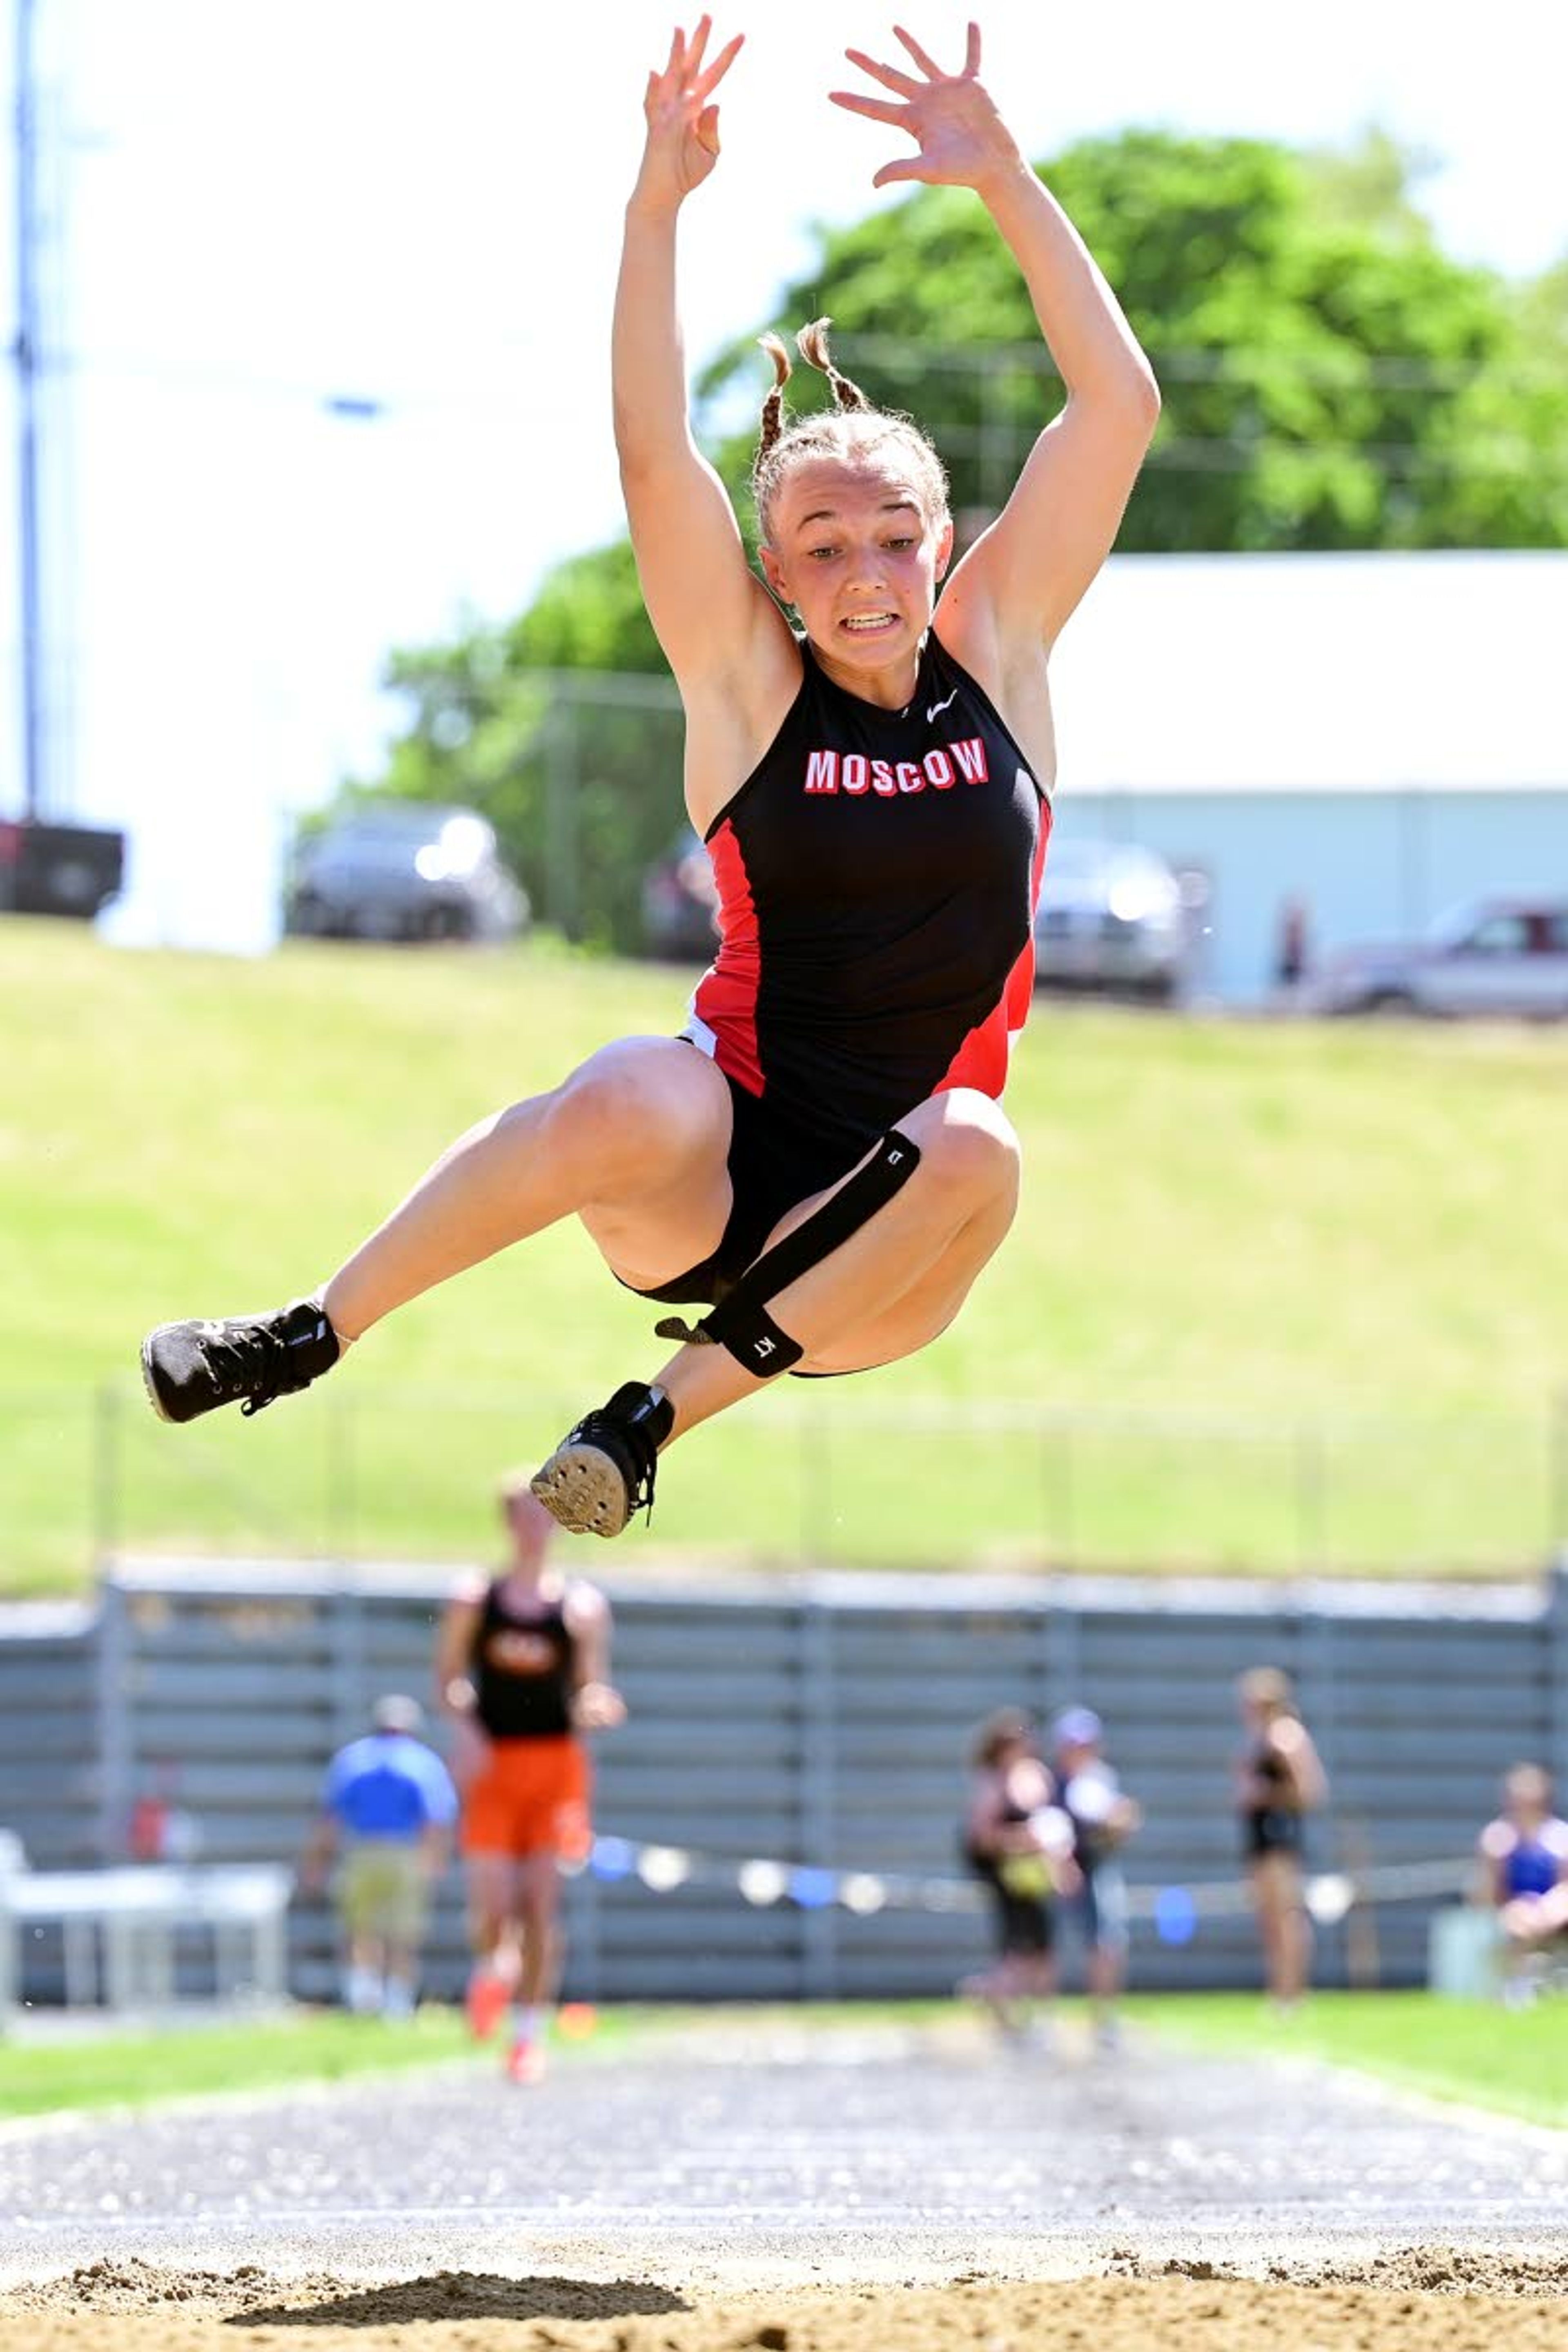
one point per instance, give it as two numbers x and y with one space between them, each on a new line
853 550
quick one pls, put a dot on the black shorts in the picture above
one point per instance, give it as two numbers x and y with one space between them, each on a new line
1270 1830
775 1164
1023 1920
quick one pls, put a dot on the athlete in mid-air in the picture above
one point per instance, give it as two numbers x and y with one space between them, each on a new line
820 1158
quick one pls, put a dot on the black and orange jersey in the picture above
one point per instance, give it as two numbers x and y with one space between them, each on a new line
522 1669
878 873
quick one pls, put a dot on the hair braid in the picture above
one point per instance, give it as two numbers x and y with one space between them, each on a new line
773 406
849 432
812 344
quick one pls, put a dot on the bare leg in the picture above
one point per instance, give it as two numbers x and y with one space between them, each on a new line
1104 1976
362 1977
897 1282
1283 1926
635 1141
538 1893
401 1969
492 1939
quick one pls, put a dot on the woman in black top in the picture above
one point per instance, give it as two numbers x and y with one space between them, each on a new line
873 779
1278 1779
1018 1841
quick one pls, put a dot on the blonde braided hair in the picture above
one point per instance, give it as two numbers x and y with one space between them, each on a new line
851 429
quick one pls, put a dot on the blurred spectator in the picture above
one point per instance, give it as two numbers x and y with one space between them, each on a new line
1292 952
1278 1779
161 1830
523 1665
1524 1853
386 1812
1018 1841
1102 1819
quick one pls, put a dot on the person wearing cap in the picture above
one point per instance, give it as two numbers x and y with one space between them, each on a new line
1102 1820
387 1807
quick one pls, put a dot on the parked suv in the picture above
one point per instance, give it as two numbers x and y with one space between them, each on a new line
403 870
1111 918
1493 955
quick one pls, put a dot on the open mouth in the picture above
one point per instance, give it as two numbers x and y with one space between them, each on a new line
870 625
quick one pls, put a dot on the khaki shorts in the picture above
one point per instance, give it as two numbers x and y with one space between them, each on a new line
382 1889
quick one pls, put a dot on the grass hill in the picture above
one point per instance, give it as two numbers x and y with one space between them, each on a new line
1280 1295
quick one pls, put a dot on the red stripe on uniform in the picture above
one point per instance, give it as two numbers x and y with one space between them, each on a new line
981 1060
726 997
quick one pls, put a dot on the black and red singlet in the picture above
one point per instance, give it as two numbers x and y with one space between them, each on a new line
521 1667
877 872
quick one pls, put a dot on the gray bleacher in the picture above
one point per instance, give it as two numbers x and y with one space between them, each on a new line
819 1720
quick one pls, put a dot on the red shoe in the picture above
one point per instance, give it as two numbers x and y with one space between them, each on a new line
486 2003
525 2062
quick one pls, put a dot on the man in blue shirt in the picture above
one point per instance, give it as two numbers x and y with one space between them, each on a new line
387 1807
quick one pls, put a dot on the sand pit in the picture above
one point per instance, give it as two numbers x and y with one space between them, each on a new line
1424 2301
831 2191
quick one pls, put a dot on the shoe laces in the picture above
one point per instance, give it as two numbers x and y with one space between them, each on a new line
626 1438
254 1357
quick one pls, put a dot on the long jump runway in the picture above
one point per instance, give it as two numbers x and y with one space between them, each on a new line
767 2157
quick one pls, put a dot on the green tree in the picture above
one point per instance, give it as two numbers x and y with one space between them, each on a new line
1331 380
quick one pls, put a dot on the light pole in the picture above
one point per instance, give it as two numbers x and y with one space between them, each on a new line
24 351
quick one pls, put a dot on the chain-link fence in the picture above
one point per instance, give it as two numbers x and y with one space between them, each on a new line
820 1476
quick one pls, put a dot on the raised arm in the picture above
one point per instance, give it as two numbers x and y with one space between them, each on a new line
1022 578
703 598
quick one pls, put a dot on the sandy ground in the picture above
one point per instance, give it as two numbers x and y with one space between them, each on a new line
1427 2302
865 2194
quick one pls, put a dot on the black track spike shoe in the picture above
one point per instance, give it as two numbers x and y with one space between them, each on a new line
603 1470
193 1367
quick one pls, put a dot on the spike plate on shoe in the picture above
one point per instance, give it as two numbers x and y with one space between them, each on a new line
584 1490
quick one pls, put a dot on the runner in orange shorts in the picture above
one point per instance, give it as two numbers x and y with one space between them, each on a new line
521 1670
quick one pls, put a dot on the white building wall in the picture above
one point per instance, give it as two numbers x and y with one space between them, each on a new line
1368 864
1381 735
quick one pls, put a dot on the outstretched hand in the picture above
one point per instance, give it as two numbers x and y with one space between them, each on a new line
953 119
683 122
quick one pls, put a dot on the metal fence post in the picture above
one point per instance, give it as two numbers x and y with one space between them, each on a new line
1352 1945
1557 1476
346 1634
1061 1669
817 1771
1311 1501
563 782
106 1483
816 1491
116 1756
1057 1477
341 1500
1554 1625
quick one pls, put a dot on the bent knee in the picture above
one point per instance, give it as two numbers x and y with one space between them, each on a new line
968 1147
643 1103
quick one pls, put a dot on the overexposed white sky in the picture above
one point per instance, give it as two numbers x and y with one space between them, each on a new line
417 202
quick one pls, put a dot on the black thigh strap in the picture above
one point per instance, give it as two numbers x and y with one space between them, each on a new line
741 1322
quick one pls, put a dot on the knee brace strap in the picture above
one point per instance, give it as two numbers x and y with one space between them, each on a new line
741 1321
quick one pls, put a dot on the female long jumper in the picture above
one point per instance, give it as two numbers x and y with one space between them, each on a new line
821 1158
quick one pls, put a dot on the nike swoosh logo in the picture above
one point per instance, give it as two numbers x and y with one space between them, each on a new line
937 706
